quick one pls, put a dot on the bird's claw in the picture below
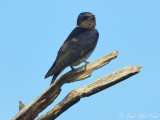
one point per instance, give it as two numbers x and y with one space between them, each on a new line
72 68
86 63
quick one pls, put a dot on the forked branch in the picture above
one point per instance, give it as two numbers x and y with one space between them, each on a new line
98 85
31 111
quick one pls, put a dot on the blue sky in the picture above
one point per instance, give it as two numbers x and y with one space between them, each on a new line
32 31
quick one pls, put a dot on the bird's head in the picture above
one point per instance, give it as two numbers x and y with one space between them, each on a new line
86 20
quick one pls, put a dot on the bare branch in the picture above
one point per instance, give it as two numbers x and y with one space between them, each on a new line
98 85
21 105
32 110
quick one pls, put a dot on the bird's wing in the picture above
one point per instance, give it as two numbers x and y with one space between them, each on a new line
76 45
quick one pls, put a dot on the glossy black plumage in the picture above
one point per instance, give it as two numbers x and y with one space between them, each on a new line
78 46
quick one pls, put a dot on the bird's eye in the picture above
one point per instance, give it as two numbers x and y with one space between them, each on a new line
84 18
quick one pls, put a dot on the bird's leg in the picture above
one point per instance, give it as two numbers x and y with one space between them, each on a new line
86 63
72 68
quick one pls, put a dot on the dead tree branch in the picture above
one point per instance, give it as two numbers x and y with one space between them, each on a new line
31 111
98 85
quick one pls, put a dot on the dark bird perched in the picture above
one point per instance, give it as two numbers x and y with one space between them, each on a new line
78 46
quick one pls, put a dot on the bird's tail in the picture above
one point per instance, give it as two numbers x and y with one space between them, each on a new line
55 76
49 73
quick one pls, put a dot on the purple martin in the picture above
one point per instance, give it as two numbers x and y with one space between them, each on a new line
77 47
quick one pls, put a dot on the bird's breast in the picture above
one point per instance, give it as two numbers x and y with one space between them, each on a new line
83 58
89 39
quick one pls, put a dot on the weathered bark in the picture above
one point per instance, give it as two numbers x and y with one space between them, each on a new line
98 85
21 105
31 111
